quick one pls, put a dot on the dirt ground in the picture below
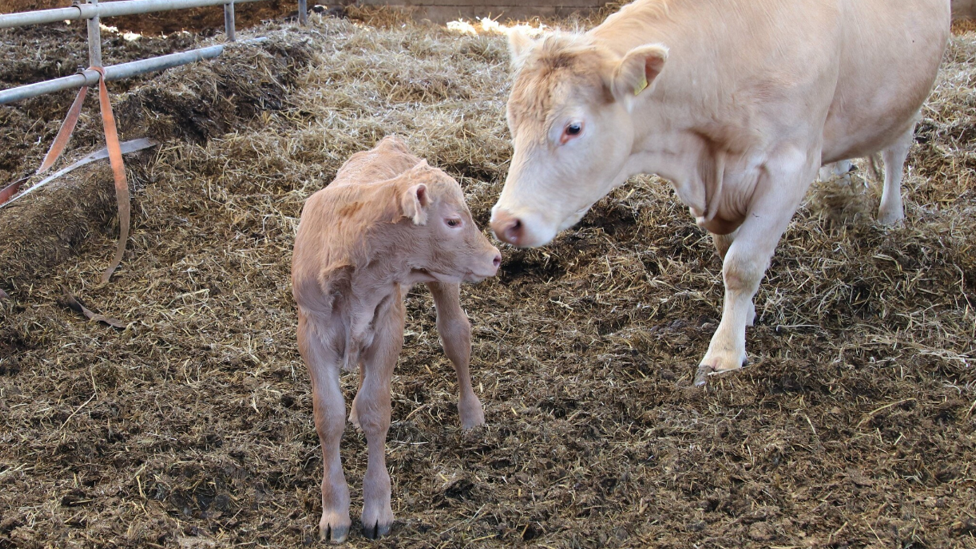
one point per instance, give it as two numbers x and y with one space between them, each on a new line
854 425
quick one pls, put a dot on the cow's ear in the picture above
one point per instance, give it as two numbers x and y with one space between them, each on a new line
637 70
414 203
519 44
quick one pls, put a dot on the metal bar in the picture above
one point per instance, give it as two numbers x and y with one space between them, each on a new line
108 9
303 12
114 72
229 21
94 40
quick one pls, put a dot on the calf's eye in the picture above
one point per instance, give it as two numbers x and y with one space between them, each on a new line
572 130
453 222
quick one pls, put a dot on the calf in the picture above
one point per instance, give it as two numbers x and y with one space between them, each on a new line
736 102
387 221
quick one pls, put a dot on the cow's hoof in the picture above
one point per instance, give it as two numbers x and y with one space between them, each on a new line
334 531
706 370
377 529
891 218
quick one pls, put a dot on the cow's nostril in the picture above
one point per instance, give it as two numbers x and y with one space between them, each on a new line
514 231
497 261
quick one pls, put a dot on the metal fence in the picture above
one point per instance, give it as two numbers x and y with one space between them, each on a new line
93 12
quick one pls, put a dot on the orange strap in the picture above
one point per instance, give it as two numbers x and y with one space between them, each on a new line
65 132
114 157
118 169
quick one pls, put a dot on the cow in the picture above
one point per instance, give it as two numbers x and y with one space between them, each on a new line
736 102
387 221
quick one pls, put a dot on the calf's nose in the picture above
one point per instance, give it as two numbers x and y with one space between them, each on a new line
507 227
497 261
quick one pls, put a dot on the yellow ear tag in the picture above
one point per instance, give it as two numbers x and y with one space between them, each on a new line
640 86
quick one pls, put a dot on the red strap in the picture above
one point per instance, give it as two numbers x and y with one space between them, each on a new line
65 132
118 169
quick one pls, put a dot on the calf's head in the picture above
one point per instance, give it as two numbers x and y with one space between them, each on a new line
569 114
444 243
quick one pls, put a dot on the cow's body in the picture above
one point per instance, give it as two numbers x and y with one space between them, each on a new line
736 102
387 221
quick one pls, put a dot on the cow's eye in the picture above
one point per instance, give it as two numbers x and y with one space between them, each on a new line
453 222
572 130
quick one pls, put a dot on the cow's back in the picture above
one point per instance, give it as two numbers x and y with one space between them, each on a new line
858 69
889 59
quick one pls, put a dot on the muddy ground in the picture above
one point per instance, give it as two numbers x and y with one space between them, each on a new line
854 425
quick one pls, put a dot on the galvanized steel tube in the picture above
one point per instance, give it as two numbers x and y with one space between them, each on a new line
114 72
108 9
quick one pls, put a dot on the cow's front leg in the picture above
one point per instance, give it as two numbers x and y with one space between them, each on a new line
455 331
373 409
777 196
329 412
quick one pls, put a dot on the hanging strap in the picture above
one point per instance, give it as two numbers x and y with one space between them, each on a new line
118 170
65 132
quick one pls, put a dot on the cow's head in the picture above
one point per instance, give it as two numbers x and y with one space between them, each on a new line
444 241
569 114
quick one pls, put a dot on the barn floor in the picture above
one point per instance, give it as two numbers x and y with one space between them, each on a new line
854 425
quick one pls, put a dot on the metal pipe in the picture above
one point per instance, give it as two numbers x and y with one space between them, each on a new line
114 72
94 40
108 9
229 21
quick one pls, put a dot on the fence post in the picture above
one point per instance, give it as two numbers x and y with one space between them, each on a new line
229 21
303 12
94 40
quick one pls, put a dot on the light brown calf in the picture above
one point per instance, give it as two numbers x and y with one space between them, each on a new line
388 221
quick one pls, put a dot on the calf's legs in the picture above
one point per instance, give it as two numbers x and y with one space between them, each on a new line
329 411
373 410
455 332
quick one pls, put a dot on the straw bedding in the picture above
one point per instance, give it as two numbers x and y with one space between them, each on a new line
854 425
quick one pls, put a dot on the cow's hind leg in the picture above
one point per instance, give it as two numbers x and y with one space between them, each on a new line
455 331
891 210
373 409
329 412
779 191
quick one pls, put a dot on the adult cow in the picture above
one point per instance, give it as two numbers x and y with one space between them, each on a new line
736 102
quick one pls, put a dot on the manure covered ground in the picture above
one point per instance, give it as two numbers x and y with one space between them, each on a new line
854 425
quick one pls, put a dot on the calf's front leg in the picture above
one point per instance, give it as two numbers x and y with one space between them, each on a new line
373 410
329 412
455 331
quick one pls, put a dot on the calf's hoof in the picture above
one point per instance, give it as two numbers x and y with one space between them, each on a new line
471 413
377 529
333 528
377 518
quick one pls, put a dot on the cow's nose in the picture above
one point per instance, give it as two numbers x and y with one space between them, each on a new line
507 227
497 261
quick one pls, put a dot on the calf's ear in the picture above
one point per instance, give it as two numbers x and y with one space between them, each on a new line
637 70
519 44
414 202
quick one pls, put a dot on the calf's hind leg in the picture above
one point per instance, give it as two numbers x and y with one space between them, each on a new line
329 411
373 409
455 331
